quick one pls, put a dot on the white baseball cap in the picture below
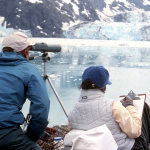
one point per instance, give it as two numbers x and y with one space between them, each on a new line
18 41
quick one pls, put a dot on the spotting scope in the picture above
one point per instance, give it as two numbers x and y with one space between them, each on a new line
43 47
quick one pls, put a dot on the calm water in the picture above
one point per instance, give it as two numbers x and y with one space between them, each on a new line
129 69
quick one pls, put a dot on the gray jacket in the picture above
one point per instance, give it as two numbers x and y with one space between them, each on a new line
94 110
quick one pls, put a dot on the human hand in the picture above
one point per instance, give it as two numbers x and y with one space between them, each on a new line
127 101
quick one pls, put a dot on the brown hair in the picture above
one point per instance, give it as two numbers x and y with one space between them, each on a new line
7 49
87 84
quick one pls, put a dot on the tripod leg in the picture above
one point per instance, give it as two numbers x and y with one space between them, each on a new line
58 98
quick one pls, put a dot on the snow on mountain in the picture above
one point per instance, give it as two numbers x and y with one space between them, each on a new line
35 1
146 2
73 5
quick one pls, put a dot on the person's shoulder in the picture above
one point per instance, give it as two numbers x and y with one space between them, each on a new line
116 104
108 101
29 68
28 65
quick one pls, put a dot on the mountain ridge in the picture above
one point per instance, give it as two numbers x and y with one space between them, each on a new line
47 18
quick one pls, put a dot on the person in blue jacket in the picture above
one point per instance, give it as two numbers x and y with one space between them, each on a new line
20 80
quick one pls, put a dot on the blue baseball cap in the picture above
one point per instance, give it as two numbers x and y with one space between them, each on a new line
98 75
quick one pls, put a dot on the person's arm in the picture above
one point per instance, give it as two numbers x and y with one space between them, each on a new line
127 118
39 107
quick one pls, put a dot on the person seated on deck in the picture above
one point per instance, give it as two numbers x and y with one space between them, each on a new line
121 118
20 80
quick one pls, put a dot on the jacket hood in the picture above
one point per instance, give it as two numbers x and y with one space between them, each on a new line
11 59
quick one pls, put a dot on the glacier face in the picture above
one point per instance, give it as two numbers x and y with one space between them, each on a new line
136 27
110 31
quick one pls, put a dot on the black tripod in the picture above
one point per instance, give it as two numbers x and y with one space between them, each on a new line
46 58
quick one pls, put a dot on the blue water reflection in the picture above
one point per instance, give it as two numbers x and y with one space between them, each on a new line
129 70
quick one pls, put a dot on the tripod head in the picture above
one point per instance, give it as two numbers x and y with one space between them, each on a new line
45 57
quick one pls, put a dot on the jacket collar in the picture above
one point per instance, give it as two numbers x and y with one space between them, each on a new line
90 94
11 59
